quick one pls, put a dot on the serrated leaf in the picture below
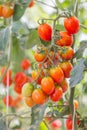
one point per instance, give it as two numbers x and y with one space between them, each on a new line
4 38
37 116
77 73
80 51
19 9
2 125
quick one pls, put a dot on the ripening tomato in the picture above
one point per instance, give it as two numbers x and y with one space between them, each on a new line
57 94
39 97
65 40
7 11
76 104
64 85
1 8
8 100
39 57
72 24
31 4
29 101
25 64
69 123
66 67
45 32
67 54
47 85
57 74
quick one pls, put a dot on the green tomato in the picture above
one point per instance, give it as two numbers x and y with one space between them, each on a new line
27 89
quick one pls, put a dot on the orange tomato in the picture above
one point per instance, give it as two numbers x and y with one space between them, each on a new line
31 4
39 97
7 11
29 101
57 94
57 74
66 67
68 53
47 85
76 104
65 40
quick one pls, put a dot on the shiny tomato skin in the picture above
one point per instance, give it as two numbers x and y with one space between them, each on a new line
72 24
39 97
66 67
7 11
57 74
47 85
25 64
68 54
57 94
45 32
65 40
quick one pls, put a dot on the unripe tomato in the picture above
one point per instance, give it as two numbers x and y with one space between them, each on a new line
76 104
29 101
65 40
1 8
45 32
72 24
25 64
8 100
57 94
31 4
38 96
66 67
67 54
57 74
64 85
7 11
47 85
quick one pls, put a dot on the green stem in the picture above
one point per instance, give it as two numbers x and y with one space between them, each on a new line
83 26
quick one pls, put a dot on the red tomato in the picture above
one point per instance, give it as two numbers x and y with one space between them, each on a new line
69 124
25 64
72 24
47 85
18 88
56 124
38 96
31 4
9 99
57 94
57 74
65 40
7 11
66 67
64 85
45 32
1 8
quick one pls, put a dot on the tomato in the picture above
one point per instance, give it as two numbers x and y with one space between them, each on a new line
57 74
67 54
57 94
66 67
39 57
31 4
38 96
47 85
1 8
64 85
37 75
45 32
25 64
65 40
76 104
56 124
72 24
7 11
8 100
27 89
29 101
69 124
18 88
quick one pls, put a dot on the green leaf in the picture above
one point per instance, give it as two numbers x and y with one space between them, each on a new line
77 73
4 38
37 116
80 51
19 9
2 125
